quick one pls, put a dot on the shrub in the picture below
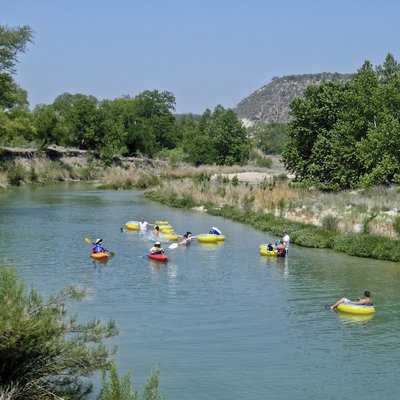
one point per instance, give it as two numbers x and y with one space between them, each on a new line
119 388
17 174
235 181
355 244
313 237
44 352
330 222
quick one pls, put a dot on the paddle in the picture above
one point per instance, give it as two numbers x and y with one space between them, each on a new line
89 241
173 246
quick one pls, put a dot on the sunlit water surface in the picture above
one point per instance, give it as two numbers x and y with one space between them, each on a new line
221 321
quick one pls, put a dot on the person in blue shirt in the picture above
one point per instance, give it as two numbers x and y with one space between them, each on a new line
98 247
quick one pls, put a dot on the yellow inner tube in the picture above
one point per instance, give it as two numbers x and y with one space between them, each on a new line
164 228
207 238
355 308
171 237
132 225
265 252
161 223
220 238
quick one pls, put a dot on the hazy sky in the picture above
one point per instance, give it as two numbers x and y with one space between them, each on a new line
206 52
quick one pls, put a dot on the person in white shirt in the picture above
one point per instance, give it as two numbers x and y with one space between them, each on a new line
143 225
286 240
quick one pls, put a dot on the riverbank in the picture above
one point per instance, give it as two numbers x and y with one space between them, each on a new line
313 219
363 223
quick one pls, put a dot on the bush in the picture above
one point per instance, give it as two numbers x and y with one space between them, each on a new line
355 244
17 174
313 237
44 352
119 388
330 222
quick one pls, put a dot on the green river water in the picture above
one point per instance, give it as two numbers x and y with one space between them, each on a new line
221 321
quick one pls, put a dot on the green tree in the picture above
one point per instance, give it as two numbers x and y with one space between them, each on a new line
269 138
12 42
49 124
44 352
347 135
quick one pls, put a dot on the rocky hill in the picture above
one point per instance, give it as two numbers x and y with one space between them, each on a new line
271 102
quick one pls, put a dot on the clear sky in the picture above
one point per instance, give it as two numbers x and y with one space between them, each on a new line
206 52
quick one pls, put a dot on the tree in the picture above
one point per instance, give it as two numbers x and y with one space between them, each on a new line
269 138
218 138
44 352
12 42
49 125
347 135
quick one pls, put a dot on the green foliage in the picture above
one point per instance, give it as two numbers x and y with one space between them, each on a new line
330 223
45 352
346 135
17 174
119 388
218 137
202 177
269 138
235 181
116 388
12 42
261 161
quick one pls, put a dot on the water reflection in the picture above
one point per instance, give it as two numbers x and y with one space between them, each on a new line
354 318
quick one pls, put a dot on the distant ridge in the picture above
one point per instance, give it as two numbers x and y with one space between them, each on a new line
271 102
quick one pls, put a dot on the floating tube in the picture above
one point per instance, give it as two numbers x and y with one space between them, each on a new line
99 256
265 252
170 236
207 238
355 308
161 223
158 257
132 225
164 228
220 238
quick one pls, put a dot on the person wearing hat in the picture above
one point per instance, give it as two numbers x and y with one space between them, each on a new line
98 247
157 249
286 240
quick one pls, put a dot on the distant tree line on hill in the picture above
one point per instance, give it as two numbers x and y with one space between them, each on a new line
347 135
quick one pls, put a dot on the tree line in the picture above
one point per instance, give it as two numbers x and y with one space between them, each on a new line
141 125
347 135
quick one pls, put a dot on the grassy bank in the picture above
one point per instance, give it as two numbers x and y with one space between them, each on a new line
272 207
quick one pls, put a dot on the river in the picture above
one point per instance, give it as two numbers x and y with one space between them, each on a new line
221 321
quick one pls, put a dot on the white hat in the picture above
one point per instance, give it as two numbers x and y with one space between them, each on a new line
157 244
98 241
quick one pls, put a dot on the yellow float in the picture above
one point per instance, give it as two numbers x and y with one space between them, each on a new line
265 252
171 237
220 238
132 225
207 238
161 223
165 228
355 308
